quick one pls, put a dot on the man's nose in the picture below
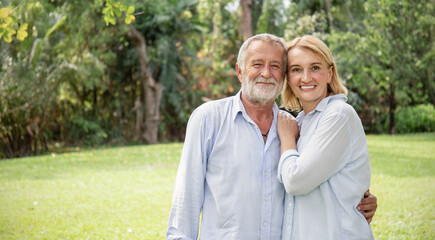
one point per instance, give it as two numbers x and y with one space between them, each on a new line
266 73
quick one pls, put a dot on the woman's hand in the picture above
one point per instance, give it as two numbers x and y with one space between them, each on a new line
288 131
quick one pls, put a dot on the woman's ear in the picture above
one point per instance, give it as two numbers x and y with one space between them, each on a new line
330 74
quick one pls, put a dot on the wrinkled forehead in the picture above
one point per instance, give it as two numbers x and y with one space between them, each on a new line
265 42
263 48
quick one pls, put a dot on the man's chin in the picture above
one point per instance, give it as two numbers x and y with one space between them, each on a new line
261 96
263 100
269 96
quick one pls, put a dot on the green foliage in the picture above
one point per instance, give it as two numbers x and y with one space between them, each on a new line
171 29
272 18
9 26
26 111
90 132
420 118
306 25
375 67
56 76
75 77
84 194
114 9
218 52
382 64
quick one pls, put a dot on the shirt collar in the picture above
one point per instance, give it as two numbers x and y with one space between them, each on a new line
238 105
239 108
324 103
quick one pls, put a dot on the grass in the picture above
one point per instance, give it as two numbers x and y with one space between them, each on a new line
125 192
115 193
403 179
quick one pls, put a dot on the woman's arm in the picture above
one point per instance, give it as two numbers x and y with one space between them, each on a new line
324 155
288 131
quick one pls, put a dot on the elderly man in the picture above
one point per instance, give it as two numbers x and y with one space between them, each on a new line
228 167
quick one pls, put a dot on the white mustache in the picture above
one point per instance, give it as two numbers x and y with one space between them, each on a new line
264 80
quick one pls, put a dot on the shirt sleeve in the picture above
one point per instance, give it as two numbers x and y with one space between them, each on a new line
188 193
325 154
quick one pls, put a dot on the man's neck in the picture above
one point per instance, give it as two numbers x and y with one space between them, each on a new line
261 114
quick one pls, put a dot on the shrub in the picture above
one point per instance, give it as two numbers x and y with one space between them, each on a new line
86 131
420 118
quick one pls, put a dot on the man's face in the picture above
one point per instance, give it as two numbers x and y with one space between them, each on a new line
262 78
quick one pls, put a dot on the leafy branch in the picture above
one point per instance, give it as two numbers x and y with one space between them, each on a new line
8 26
114 9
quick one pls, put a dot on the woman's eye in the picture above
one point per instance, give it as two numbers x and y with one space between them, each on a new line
316 68
296 70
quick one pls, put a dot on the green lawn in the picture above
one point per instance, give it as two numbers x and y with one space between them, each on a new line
125 192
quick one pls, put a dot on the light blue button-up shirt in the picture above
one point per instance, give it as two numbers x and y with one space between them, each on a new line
228 173
327 176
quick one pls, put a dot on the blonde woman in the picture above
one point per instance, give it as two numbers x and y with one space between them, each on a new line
324 164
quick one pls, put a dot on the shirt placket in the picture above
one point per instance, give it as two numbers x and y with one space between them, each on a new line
290 209
266 201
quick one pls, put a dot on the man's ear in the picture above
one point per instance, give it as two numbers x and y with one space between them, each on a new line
239 73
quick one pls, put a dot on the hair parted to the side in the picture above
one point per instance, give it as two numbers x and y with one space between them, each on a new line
264 37
288 100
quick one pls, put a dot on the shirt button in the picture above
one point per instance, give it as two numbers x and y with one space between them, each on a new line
265 173
265 224
265 198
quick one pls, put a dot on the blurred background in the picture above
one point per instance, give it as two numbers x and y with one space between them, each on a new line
94 73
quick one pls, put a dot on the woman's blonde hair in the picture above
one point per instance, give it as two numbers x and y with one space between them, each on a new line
288 99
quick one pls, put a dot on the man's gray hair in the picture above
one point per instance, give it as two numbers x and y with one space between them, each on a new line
264 37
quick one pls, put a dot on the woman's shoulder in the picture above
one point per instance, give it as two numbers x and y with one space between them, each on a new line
341 107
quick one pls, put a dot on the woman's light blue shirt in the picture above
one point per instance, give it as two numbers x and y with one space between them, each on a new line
327 176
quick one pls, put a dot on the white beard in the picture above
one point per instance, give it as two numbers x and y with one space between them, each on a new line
263 95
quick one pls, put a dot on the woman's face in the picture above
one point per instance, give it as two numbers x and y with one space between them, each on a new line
308 77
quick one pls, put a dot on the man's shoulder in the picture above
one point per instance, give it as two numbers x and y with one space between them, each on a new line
212 114
216 106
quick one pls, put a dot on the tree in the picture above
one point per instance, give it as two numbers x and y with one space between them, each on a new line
272 17
382 64
50 84
152 92
247 27
146 124
166 28
388 61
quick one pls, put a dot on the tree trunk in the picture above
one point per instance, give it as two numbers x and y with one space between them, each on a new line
328 6
151 88
392 125
247 28
139 117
